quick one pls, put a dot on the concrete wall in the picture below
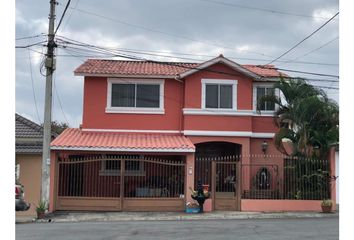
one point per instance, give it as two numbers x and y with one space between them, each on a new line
253 205
30 178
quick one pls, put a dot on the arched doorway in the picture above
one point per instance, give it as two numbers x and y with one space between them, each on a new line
217 165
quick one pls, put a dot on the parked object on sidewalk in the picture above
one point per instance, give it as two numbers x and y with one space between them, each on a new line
192 208
326 205
201 195
20 203
41 209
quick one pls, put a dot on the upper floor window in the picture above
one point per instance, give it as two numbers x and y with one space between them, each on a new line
260 90
263 91
140 96
219 94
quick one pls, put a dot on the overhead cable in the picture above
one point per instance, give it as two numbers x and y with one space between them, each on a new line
304 39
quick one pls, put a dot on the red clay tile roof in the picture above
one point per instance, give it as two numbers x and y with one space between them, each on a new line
265 71
76 139
100 66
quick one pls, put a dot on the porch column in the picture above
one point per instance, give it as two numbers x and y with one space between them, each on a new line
332 173
189 176
53 178
246 160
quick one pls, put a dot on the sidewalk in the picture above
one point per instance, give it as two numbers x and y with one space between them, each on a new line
166 216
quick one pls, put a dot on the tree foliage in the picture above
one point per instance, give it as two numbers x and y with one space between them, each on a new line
58 127
305 116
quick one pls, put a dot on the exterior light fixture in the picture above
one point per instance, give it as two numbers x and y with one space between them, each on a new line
264 147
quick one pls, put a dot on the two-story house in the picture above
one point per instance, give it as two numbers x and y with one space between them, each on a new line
151 131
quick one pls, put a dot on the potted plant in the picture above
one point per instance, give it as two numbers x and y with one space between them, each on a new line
326 205
41 209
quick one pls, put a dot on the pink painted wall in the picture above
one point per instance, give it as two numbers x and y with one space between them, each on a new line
189 177
252 205
95 101
193 86
263 124
52 193
177 97
218 123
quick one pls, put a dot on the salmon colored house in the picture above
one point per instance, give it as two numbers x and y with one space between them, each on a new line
151 131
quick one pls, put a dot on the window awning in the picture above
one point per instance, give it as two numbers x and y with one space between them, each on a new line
76 139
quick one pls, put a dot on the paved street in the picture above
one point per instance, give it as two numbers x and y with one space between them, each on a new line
258 229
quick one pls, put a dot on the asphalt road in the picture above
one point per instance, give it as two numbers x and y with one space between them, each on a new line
257 229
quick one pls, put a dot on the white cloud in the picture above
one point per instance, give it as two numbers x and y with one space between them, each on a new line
320 14
243 48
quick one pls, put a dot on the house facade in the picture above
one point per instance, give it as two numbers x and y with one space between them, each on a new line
151 131
28 161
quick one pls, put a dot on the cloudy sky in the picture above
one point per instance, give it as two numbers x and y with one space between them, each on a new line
246 31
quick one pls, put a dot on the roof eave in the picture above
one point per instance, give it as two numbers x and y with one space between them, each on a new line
140 150
220 59
124 75
269 79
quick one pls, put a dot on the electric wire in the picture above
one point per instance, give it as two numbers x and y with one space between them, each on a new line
79 55
29 37
304 72
70 14
58 97
286 52
62 16
308 53
70 41
262 9
143 59
32 84
31 45
178 64
163 32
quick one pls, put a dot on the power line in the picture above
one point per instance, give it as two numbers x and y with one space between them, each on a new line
313 79
62 16
105 50
28 37
32 83
261 9
78 43
308 53
71 13
177 64
304 72
30 45
304 39
162 32
58 97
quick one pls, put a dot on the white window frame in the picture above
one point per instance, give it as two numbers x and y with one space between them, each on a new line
108 172
264 85
220 82
134 110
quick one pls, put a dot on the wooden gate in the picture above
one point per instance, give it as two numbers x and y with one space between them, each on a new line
224 177
121 183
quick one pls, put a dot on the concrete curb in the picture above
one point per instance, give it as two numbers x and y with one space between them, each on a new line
149 216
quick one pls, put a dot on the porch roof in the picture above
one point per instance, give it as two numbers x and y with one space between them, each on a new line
76 139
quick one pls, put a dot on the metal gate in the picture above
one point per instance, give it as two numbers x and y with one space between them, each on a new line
223 175
121 183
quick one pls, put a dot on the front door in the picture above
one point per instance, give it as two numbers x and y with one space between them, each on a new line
217 165
226 183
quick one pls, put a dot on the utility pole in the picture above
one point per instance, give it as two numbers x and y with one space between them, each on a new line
50 67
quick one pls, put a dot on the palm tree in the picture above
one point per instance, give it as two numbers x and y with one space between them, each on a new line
305 116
